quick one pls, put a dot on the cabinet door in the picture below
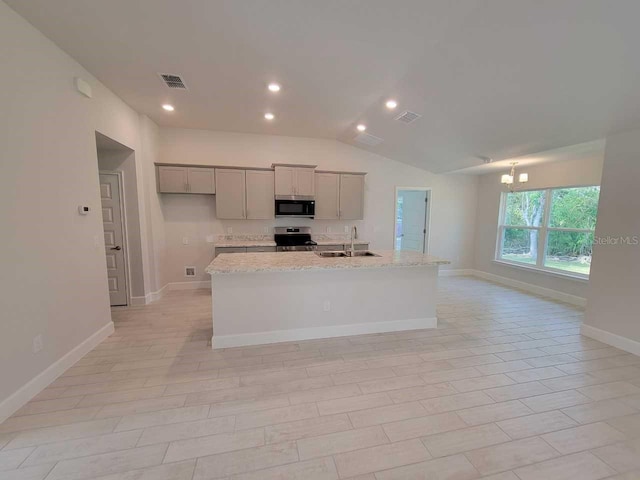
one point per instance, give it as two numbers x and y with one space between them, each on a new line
351 197
201 180
284 180
305 184
230 193
260 249
172 179
327 196
260 195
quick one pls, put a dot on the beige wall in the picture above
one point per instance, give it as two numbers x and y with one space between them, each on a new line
554 174
193 216
613 303
53 278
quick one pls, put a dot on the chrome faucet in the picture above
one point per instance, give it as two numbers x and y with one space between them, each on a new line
354 235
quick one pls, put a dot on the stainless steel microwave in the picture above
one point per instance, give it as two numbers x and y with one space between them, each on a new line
295 206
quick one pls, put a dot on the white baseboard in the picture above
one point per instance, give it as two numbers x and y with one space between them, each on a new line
455 272
296 334
34 386
618 341
545 292
157 295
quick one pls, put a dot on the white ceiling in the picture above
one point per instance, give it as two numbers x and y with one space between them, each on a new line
495 78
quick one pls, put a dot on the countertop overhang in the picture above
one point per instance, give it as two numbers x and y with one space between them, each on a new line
229 263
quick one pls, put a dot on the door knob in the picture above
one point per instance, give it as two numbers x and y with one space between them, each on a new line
116 248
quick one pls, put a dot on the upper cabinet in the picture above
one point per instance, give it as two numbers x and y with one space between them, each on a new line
177 179
351 196
327 196
292 180
244 194
260 195
231 194
339 196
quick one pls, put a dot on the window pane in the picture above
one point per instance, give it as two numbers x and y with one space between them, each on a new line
575 207
524 208
520 245
569 251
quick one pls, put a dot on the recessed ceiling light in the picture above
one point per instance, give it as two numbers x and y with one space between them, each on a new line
168 108
361 127
391 104
269 116
274 87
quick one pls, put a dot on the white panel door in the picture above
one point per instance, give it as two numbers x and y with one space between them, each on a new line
284 180
260 195
172 180
327 196
230 194
305 183
113 238
201 180
411 220
351 197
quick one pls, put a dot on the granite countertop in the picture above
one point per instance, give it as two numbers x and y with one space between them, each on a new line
245 243
305 261
267 240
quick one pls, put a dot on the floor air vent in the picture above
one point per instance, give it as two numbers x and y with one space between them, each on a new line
408 117
368 139
189 271
173 81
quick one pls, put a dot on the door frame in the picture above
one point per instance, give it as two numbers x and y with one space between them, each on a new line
125 237
427 213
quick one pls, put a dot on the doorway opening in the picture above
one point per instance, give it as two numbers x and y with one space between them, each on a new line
121 221
412 218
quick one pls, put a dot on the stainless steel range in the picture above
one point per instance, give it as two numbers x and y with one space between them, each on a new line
294 239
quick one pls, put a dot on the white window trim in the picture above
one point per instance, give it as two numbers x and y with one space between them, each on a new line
543 236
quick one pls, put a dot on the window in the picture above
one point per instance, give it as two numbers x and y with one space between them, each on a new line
549 229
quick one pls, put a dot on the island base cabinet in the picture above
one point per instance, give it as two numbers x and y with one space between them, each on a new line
360 301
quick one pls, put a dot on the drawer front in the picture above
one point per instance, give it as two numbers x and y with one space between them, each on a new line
261 249
360 246
220 250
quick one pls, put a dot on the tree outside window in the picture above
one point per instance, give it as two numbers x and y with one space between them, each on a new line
550 229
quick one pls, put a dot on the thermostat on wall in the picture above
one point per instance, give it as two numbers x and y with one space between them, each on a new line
83 210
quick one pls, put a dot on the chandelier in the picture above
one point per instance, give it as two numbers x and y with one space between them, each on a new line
508 179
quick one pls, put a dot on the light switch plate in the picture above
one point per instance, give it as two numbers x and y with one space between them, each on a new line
185 240
229 230
209 238
346 229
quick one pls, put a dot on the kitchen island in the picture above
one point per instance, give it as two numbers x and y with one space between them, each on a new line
261 298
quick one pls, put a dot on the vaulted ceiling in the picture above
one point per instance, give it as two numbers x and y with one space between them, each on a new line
494 78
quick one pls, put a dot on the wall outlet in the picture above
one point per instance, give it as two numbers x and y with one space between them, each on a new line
185 240
229 230
38 343
96 241
209 238
328 229
265 229
326 306
346 229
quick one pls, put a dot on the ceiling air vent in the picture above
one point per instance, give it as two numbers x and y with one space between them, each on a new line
408 117
368 139
173 81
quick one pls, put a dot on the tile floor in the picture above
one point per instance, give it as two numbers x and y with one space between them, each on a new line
505 389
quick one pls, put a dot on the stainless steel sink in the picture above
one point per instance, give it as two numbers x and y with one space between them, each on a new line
357 253
364 253
332 254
